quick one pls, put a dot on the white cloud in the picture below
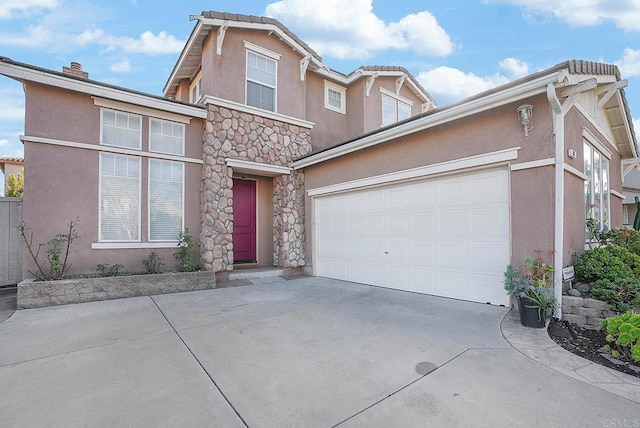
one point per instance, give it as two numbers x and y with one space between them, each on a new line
636 126
448 84
13 8
629 65
514 67
4 142
147 43
35 36
352 30
581 13
121 67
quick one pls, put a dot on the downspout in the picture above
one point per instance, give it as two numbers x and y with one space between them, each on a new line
558 246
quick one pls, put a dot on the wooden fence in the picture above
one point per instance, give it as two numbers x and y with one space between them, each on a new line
10 241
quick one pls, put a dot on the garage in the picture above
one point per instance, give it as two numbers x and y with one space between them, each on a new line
446 236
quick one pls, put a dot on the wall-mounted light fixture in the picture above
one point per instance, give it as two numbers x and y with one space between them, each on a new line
525 116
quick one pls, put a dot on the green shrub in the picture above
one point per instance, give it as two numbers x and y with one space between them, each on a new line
105 269
610 262
623 336
621 293
625 238
186 260
153 263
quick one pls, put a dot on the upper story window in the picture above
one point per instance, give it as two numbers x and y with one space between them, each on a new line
335 97
195 90
596 187
166 137
120 129
394 108
262 71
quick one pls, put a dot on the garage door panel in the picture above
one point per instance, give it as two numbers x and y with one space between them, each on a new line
485 282
489 220
398 224
488 187
376 250
376 201
423 281
488 255
453 253
453 284
453 191
453 221
422 253
398 251
423 196
377 225
445 236
424 224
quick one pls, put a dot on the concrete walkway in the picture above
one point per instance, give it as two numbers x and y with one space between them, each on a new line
536 344
304 352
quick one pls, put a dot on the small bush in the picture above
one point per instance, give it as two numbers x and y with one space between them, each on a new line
610 263
623 336
105 269
186 260
153 263
622 294
625 238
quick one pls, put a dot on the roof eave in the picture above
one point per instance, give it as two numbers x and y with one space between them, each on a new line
457 111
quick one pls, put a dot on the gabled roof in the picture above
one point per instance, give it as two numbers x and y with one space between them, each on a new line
564 75
191 56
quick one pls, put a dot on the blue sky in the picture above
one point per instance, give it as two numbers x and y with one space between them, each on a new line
455 48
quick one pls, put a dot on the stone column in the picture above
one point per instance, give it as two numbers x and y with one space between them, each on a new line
288 228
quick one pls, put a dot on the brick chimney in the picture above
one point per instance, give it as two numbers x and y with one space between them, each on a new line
75 70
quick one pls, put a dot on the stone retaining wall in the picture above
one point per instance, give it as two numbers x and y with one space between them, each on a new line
32 294
585 312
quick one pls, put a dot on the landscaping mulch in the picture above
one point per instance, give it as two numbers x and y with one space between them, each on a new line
587 344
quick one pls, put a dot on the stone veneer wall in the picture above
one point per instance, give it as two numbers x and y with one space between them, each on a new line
585 312
237 135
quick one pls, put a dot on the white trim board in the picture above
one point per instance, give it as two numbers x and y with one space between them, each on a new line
255 168
419 172
532 164
101 148
130 245
208 99
575 172
131 108
617 194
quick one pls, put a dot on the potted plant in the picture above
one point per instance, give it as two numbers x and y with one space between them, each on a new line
530 282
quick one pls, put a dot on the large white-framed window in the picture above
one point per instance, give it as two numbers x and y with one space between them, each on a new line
596 187
166 137
262 75
119 202
166 200
120 129
195 90
394 108
335 97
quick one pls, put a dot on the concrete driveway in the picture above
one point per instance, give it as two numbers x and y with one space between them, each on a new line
304 352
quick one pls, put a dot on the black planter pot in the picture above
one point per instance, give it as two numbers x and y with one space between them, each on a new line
531 317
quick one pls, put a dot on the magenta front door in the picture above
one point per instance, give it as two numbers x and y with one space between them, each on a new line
244 220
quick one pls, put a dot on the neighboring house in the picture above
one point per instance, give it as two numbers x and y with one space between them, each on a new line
271 158
631 190
10 166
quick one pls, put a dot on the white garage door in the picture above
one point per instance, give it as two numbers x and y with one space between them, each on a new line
446 236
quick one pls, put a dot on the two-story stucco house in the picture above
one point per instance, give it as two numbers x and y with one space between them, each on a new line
268 157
